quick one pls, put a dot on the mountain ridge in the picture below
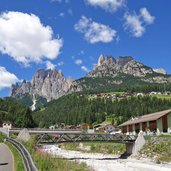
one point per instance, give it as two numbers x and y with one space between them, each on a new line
109 73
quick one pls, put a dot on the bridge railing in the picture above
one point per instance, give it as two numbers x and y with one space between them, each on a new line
83 137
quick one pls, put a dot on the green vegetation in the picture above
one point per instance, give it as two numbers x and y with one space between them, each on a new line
77 108
157 148
96 147
122 83
46 162
2 137
26 99
19 166
162 96
15 112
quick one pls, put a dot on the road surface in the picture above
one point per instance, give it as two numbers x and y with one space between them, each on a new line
6 158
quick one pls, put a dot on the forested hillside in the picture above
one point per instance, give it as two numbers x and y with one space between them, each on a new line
15 112
122 82
77 108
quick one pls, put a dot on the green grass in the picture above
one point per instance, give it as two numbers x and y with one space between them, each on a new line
17 158
46 162
2 137
119 93
97 147
157 148
161 96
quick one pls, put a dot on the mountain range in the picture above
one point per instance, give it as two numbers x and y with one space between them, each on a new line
110 74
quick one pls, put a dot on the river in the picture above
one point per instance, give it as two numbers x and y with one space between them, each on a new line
104 162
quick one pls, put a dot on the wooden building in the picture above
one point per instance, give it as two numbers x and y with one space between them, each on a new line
159 122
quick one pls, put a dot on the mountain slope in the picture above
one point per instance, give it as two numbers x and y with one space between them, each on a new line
13 111
110 74
78 108
45 85
122 74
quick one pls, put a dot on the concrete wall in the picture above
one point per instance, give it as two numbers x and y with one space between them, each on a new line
133 148
169 123
4 131
159 126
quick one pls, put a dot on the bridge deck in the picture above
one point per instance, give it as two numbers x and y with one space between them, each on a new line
68 136
83 137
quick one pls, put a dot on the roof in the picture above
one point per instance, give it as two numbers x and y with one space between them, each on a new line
146 118
6 122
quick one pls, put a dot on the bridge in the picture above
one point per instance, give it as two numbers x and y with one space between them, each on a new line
47 136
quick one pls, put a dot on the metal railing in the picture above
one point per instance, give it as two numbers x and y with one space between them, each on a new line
83 137
27 159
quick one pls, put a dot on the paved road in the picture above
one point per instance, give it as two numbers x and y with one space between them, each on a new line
6 159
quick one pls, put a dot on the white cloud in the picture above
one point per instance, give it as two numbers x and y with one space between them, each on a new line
50 65
7 78
61 14
78 61
107 5
84 68
25 39
95 32
60 63
148 18
136 24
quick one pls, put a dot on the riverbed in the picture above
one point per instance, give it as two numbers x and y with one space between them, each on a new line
105 162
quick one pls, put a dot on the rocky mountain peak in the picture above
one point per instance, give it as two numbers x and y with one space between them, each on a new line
49 84
109 67
100 60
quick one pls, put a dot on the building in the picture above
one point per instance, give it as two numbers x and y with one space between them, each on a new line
159 122
7 124
104 128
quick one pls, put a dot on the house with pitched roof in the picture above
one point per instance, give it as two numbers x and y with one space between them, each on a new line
159 122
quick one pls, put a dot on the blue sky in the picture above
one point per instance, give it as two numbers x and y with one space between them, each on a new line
71 34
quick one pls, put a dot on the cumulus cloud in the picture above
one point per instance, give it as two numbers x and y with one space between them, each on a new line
7 78
84 68
107 5
26 39
136 24
50 65
148 18
95 32
78 61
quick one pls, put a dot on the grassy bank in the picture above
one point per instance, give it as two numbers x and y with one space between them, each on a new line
46 162
96 147
17 158
157 148
2 137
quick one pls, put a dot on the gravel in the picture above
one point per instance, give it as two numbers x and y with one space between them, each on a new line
104 162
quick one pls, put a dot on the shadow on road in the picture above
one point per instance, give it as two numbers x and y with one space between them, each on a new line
1 164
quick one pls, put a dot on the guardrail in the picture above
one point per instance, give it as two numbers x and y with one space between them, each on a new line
27 159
